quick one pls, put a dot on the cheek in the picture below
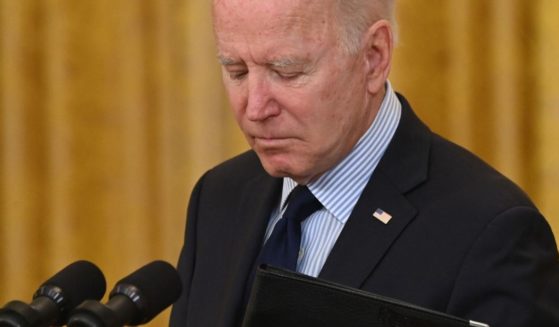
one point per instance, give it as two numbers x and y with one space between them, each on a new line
333 101
341 114
237 101
337 88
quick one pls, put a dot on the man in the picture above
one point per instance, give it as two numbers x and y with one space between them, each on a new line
402 212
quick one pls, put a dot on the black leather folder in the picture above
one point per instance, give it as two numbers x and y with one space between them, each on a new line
282 298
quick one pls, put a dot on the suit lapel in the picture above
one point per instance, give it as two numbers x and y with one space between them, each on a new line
365 240
259 197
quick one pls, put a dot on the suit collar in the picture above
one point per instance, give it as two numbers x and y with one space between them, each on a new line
365 240
406 160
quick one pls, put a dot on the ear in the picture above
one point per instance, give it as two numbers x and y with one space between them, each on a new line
378 55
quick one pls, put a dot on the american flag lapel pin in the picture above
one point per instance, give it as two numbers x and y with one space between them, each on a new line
382 216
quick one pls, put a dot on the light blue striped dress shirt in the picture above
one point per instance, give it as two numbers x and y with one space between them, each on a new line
339 188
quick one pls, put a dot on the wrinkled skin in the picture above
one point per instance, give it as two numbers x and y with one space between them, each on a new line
301 101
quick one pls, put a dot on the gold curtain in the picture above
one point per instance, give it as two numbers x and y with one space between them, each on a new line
485 75
111 109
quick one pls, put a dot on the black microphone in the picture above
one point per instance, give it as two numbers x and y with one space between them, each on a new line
136 299
56 297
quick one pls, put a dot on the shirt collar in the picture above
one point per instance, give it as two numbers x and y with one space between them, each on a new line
339 188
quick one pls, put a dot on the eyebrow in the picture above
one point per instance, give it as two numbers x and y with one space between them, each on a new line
285 62
278 63
226 61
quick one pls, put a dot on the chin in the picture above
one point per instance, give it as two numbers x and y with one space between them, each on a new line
298 174
275 170
275 165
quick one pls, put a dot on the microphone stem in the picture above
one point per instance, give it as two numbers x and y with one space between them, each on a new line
125 308
48 309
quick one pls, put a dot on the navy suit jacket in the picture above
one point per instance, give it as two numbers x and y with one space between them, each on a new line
463 238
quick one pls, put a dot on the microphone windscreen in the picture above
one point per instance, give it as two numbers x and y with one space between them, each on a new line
79 281
158 283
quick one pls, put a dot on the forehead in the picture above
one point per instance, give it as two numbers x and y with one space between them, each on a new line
297 9
261 22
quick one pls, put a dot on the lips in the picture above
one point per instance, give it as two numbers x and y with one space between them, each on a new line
268 136
273 142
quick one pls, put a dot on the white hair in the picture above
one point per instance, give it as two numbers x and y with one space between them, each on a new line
356 16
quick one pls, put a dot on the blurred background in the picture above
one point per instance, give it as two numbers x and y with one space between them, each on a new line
111 109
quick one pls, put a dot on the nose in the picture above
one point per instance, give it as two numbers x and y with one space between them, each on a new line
261 103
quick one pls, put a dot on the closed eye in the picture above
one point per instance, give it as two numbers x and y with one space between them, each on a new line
237 75
288 76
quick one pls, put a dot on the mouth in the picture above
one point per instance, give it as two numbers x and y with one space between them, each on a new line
271 142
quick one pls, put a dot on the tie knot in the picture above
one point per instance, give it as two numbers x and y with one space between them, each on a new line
302 203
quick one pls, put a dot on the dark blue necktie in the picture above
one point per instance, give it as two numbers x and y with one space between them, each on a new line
282 247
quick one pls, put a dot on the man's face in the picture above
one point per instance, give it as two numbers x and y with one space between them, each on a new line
298 97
